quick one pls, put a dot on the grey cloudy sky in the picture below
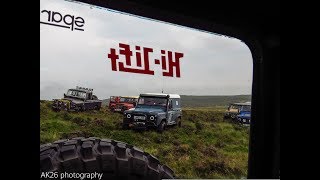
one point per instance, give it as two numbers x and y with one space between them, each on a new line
212 64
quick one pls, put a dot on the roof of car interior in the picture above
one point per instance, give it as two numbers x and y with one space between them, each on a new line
161 95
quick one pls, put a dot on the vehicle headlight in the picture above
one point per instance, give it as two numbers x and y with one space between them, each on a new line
151 118
128 115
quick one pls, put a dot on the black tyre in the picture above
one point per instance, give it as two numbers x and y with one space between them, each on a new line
125 126
56 109
161 126
97 108
123 109
179 122
238 120
116 160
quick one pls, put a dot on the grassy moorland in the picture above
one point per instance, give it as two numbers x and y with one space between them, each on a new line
206 146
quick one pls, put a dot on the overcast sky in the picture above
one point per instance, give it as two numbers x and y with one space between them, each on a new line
212 64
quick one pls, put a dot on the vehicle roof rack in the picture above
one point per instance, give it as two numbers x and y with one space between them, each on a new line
82 88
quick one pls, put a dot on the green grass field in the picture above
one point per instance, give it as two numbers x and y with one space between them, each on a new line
206 146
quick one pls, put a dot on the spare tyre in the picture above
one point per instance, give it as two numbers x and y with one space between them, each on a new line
114 159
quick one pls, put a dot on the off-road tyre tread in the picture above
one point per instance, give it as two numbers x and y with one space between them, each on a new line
161 128
115 159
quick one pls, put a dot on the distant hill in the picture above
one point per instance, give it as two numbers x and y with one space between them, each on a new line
205 101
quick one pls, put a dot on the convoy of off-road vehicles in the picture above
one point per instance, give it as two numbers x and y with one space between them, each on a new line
148 110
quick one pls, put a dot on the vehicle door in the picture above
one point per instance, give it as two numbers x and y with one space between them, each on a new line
176 109
89 103
170 113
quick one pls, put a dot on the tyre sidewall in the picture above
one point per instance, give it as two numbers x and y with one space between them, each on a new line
161 126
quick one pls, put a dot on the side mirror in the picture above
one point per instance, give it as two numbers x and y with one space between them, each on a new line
64 95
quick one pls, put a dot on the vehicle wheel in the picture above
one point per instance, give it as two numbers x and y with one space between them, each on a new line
125 126
83 108
56 110
161 126
96 108
179 122
78 108
116 160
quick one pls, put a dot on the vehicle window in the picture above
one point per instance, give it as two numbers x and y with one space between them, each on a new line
150 101
73 93
81 94
175 103
246 108
69 93
124 55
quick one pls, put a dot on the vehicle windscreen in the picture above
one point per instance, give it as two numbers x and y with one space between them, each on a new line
246 108
234 107
152 102
114 99
78 94
127 100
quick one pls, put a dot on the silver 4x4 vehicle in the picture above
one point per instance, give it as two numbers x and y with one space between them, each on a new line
78 99
154 110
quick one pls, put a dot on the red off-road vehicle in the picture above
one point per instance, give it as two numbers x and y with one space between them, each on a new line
120 104
113 101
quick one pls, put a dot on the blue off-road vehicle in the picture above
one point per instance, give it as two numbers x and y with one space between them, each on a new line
244 117
240 112
155 110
